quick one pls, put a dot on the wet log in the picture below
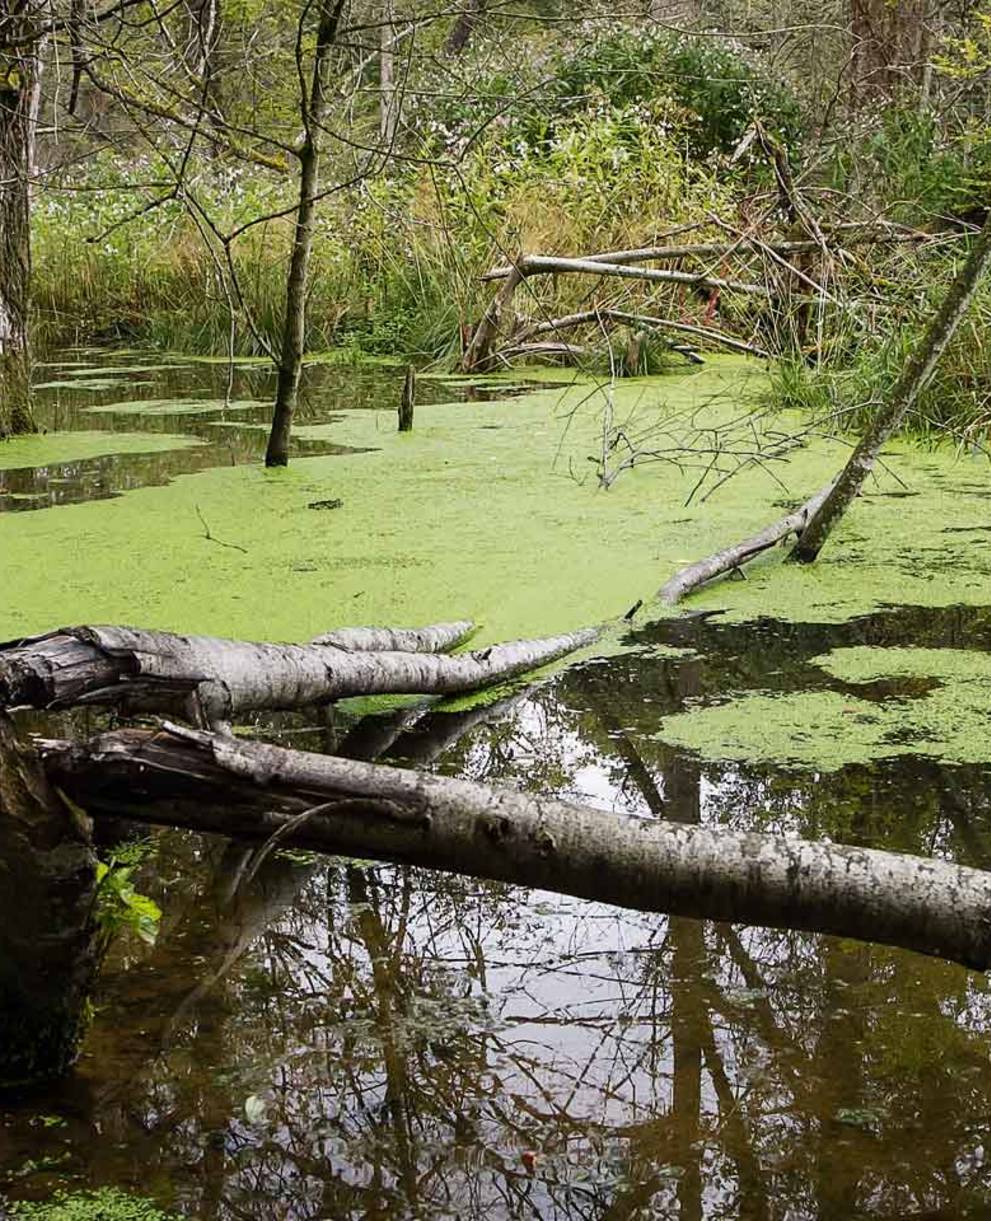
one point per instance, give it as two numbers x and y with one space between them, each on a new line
730 559
215 783
48 944
407 401
210 680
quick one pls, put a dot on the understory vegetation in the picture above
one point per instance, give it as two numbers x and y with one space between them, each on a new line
607 137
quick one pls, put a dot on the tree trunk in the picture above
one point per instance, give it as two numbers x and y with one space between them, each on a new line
901 400
47 945
20 71
214 783
210 680
478 354
388 115
314 110
888 44
464 27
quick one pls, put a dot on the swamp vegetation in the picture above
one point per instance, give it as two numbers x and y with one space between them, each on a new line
582 855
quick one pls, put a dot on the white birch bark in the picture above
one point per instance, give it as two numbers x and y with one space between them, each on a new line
212 783
212 680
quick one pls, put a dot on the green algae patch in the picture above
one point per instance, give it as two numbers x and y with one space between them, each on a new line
53 448
174 406
504 524
826 730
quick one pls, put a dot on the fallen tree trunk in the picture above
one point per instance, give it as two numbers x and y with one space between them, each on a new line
436 638
649 254
537 264
732 558
210 680
567 321
219 784
900 401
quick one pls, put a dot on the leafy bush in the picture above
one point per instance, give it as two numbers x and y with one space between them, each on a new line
106 1204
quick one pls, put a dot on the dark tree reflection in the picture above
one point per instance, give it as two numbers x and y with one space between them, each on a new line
331 1039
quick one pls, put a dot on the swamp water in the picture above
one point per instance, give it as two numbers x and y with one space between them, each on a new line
333 1039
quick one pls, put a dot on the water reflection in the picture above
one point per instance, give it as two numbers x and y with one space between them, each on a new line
70 398
427 1046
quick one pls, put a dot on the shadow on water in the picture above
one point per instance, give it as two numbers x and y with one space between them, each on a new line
329 1039
227 415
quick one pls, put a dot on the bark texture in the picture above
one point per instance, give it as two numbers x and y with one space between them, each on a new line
901 400
219 784
19 97
437 638
47 944
314 112
210 680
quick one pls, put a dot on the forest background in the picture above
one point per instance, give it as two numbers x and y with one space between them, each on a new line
166 174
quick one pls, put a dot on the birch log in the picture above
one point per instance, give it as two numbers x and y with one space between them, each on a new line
217 784
211 680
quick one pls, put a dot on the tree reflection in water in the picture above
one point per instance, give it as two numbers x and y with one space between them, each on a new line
420 1045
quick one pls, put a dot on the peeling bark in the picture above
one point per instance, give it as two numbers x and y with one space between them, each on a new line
210 680
218 784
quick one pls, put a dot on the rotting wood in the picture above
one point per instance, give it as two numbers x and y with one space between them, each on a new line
407 400
48 943
211 680
217 784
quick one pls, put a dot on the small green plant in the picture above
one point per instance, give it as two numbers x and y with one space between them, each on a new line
105 1204
119 907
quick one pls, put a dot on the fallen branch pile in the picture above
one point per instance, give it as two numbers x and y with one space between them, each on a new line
785 281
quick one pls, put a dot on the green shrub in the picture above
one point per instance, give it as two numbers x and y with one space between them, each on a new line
105 1204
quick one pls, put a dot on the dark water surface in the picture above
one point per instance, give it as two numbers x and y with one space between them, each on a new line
338 1040
73 395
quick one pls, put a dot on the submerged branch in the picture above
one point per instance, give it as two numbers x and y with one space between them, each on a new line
732 558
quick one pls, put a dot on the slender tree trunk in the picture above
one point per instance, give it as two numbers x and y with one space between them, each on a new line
461 33
388 116
216 783
19 99
47 945
314 109
901 400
